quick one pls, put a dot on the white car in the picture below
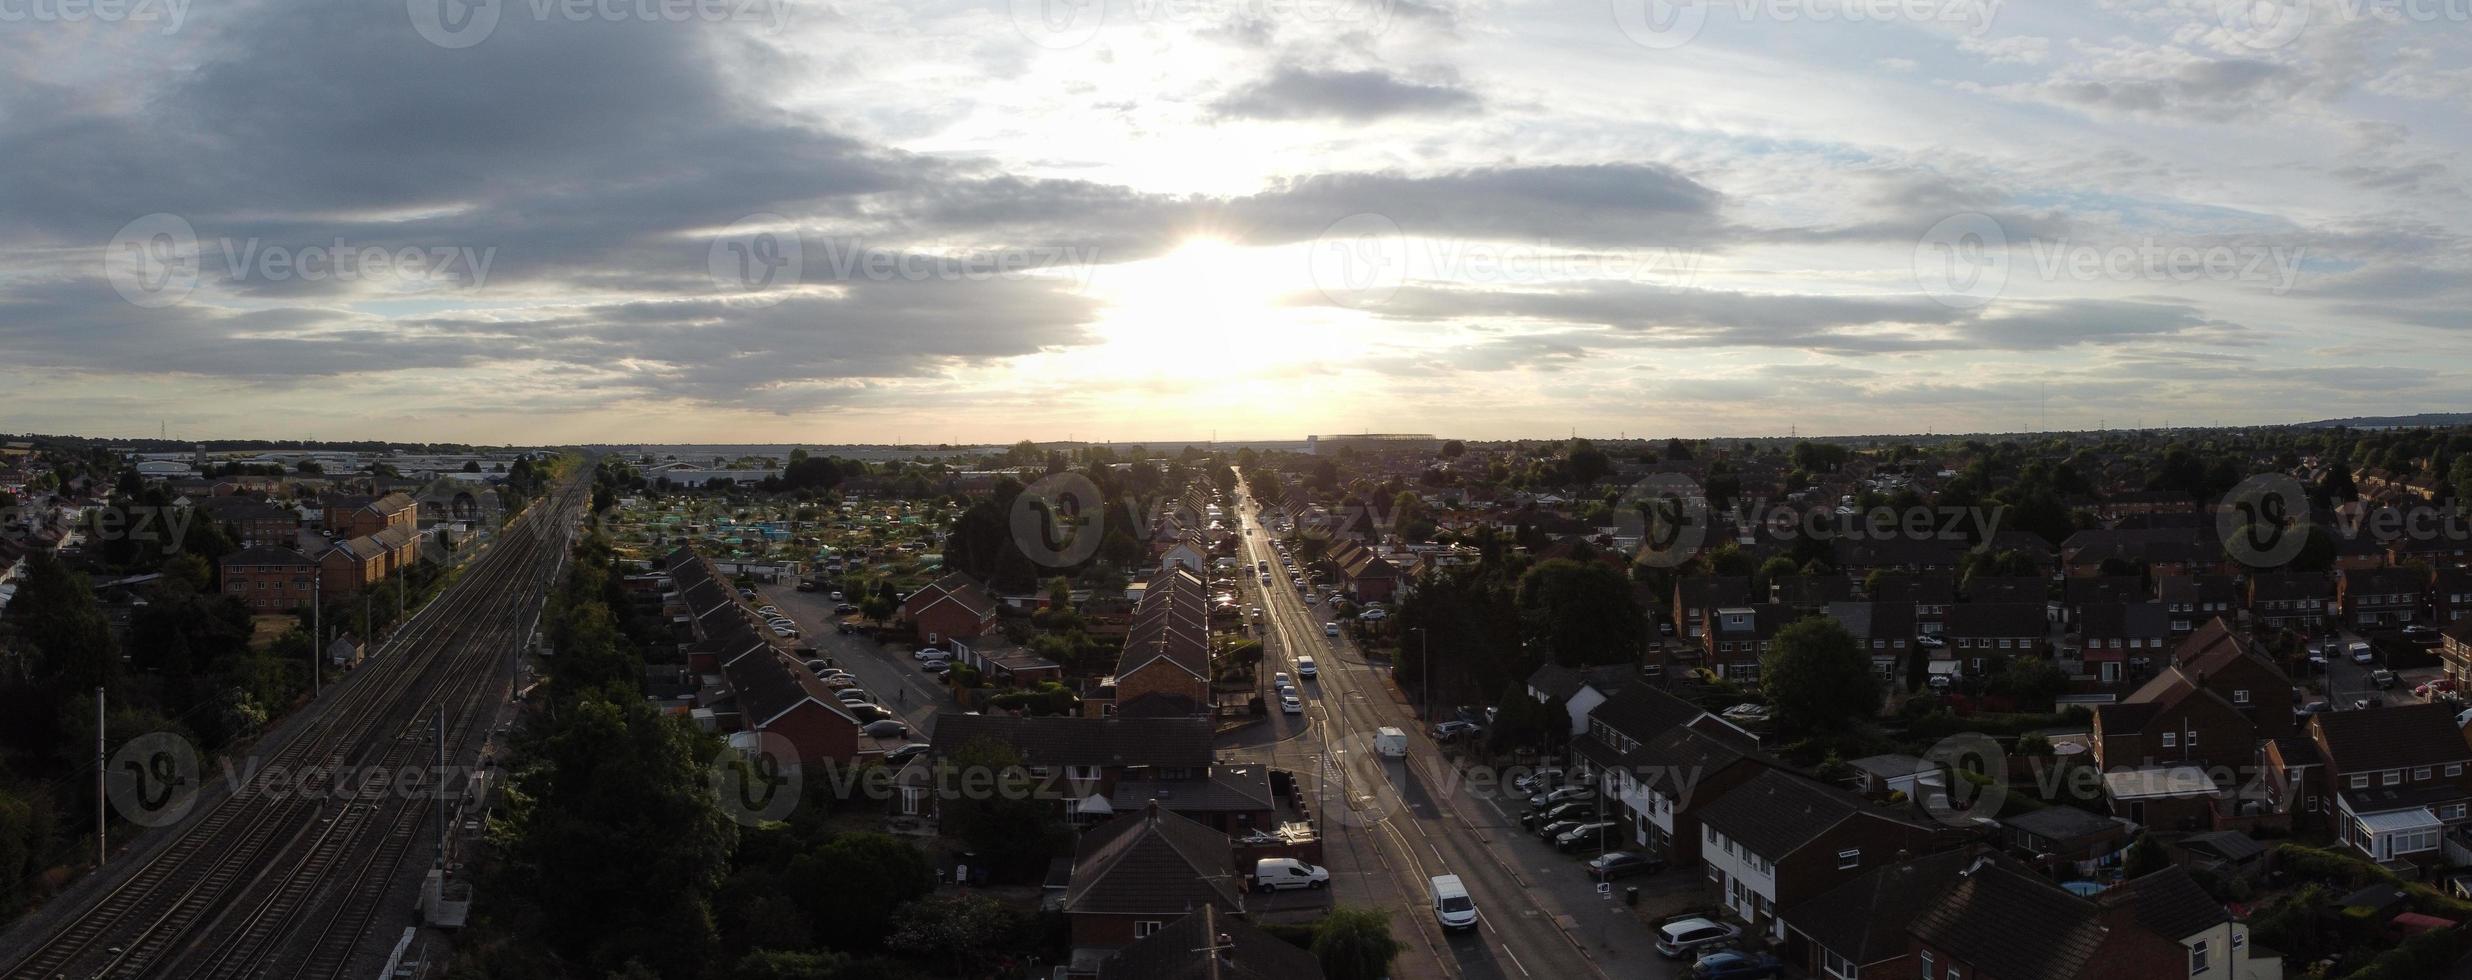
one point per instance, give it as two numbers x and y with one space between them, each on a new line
1280 679
1291 704
1373 613
1330 629
853 695
931 653
784 634
769 610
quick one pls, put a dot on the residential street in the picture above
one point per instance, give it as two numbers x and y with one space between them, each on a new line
1392 825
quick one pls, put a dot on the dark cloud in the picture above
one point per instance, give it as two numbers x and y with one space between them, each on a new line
1293 92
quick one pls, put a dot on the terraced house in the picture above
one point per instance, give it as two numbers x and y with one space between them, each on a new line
1164 668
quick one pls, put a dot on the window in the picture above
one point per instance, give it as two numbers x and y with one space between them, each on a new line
1953 974
1838 966
1849 858
2420 774
2451 811
1927 974
1144 927
2171 740
2240 696
2454 769
2360 782
2197 959
2390 777
2239 939
2192 740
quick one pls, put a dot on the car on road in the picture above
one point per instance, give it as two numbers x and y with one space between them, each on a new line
906 753
1452 907
1566 794
1274 874
1330 629
1582 835
2421 635
844 609
2313 708
1692 934
1581 810
1305 667
1280 680
1446 731
937 667
1735 964
2383 678
887 728
1612 865
2362 652
1549 832
868 712
1291 704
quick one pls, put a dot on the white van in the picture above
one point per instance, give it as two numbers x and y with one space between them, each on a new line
1390 742
1273 874
1304 667
1451 905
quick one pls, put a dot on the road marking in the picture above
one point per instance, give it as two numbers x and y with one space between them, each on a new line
1523 968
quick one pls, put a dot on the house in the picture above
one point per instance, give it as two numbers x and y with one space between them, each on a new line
2001 921
2222 659
1885 630
1905 776
2455 652
1581 690
767 692
1189 551
1810 593
2008 588
2398 777
1004 662
1231 799
1697 596
2057 837
358 563
2115 633
2382 598
2182 717
1930 596
2450 596
1140 871
252 521
1090 756
2170 904
1780 839
1982 634
951 607
2166 797
1857 930
356 516
2291 600
1209 945
1642 744
2193 599
1737 637
2078 593
1167 647
270 579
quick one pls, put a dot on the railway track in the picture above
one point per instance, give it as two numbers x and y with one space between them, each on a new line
171 910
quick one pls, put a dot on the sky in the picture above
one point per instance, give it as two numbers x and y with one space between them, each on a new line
538 221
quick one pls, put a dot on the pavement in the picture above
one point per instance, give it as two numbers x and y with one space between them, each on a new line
1390 825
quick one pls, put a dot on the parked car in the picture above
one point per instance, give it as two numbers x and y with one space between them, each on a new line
1538 781
817 667
1734 964
1746 712
937 667
2421 635
2442 685
1623 864
932 653
906 753
1689 935
1372 614
1559 812
2313 708
853 695
887 728
1274 874
840 681
1582 835
769 610
868 712
2372 701
1565 794
1549 832
2383 678
1445 731
844 609
1930 642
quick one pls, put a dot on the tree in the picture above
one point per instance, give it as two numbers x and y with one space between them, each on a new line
961 928
2145 857
1818 678
850 886
2034 683
1355 943
773 964
1580 614
472 466
1007 825
1453 449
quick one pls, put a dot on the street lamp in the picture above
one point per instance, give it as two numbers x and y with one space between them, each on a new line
1424 671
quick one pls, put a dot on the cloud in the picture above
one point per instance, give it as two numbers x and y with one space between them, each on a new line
1292 92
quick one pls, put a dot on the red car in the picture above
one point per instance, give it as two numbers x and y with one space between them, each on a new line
2443 685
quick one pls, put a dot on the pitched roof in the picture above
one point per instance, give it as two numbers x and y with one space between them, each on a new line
1155 862
2008 588
1997 619
1641 711
2078 591
1563 682
2282 586
2400 737
2125 619
1685 750
1183 950
2060 822
1171 623
2169 903
1776 813
1226 788
264 555
769 684
1865 919
1928 588
1883 620
954 587
1704 591
2008 923
1066 741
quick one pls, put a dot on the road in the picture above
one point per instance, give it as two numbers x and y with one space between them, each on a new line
1391 825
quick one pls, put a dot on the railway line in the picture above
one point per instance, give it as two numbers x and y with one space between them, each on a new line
283 876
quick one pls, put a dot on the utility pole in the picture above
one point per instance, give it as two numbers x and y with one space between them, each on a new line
101 830
317 632
441 787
